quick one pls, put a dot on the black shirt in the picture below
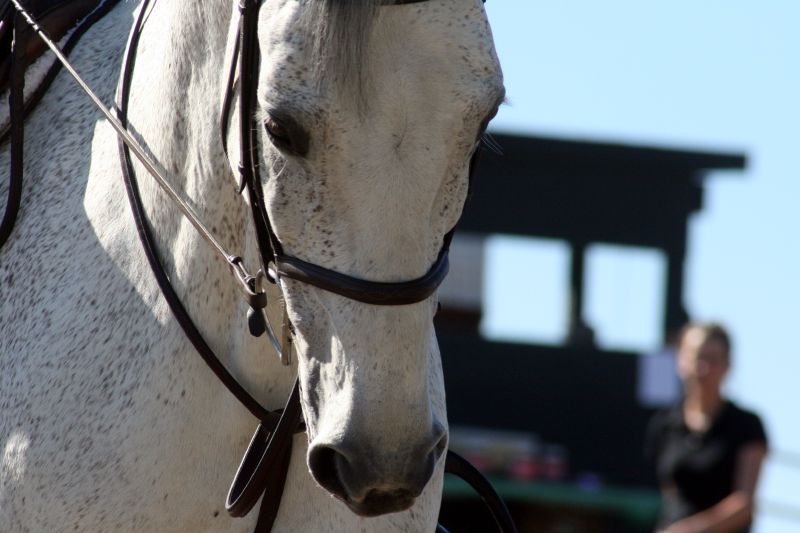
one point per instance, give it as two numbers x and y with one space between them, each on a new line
698 468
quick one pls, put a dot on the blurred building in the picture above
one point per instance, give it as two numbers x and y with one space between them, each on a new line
560 426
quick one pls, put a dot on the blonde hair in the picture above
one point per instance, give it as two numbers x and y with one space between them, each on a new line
712 331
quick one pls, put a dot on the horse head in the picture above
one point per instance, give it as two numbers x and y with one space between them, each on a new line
368 119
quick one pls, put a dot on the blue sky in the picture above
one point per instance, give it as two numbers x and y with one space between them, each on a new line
718 75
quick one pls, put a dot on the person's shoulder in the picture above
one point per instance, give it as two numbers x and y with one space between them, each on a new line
746 422
741 413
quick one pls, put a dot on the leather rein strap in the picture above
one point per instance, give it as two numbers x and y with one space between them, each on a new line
264 467
16 115
278 452
19 107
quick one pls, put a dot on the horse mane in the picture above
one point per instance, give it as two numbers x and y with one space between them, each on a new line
341 30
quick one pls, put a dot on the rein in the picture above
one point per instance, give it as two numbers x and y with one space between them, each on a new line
18 63
264 467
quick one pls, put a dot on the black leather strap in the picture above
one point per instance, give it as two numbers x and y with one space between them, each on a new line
268 243
20 109
265 464
148 242
370 292
458 466
16 107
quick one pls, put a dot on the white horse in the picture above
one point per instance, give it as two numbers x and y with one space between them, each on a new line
108 419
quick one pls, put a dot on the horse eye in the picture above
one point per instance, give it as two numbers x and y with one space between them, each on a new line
278 134
287 135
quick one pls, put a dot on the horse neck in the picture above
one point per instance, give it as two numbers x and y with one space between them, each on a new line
176 97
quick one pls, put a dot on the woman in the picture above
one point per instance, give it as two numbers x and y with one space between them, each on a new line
707 451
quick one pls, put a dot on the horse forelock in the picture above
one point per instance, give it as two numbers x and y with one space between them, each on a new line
341 31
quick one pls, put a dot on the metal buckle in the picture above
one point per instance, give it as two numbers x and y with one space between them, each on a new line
249 286
252 289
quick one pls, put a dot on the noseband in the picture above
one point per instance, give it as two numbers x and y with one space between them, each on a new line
264 467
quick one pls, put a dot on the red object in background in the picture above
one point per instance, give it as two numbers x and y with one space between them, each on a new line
479 461
554 462
525 468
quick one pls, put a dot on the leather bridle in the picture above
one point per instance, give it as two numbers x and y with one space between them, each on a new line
285 266
264 467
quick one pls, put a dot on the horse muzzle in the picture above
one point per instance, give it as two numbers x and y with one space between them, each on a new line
372 483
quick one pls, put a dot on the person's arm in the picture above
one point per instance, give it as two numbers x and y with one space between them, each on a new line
736 510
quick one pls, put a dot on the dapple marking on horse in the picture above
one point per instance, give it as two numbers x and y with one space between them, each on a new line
108 420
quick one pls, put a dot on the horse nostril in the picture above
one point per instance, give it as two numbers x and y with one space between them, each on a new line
441 446
322 463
